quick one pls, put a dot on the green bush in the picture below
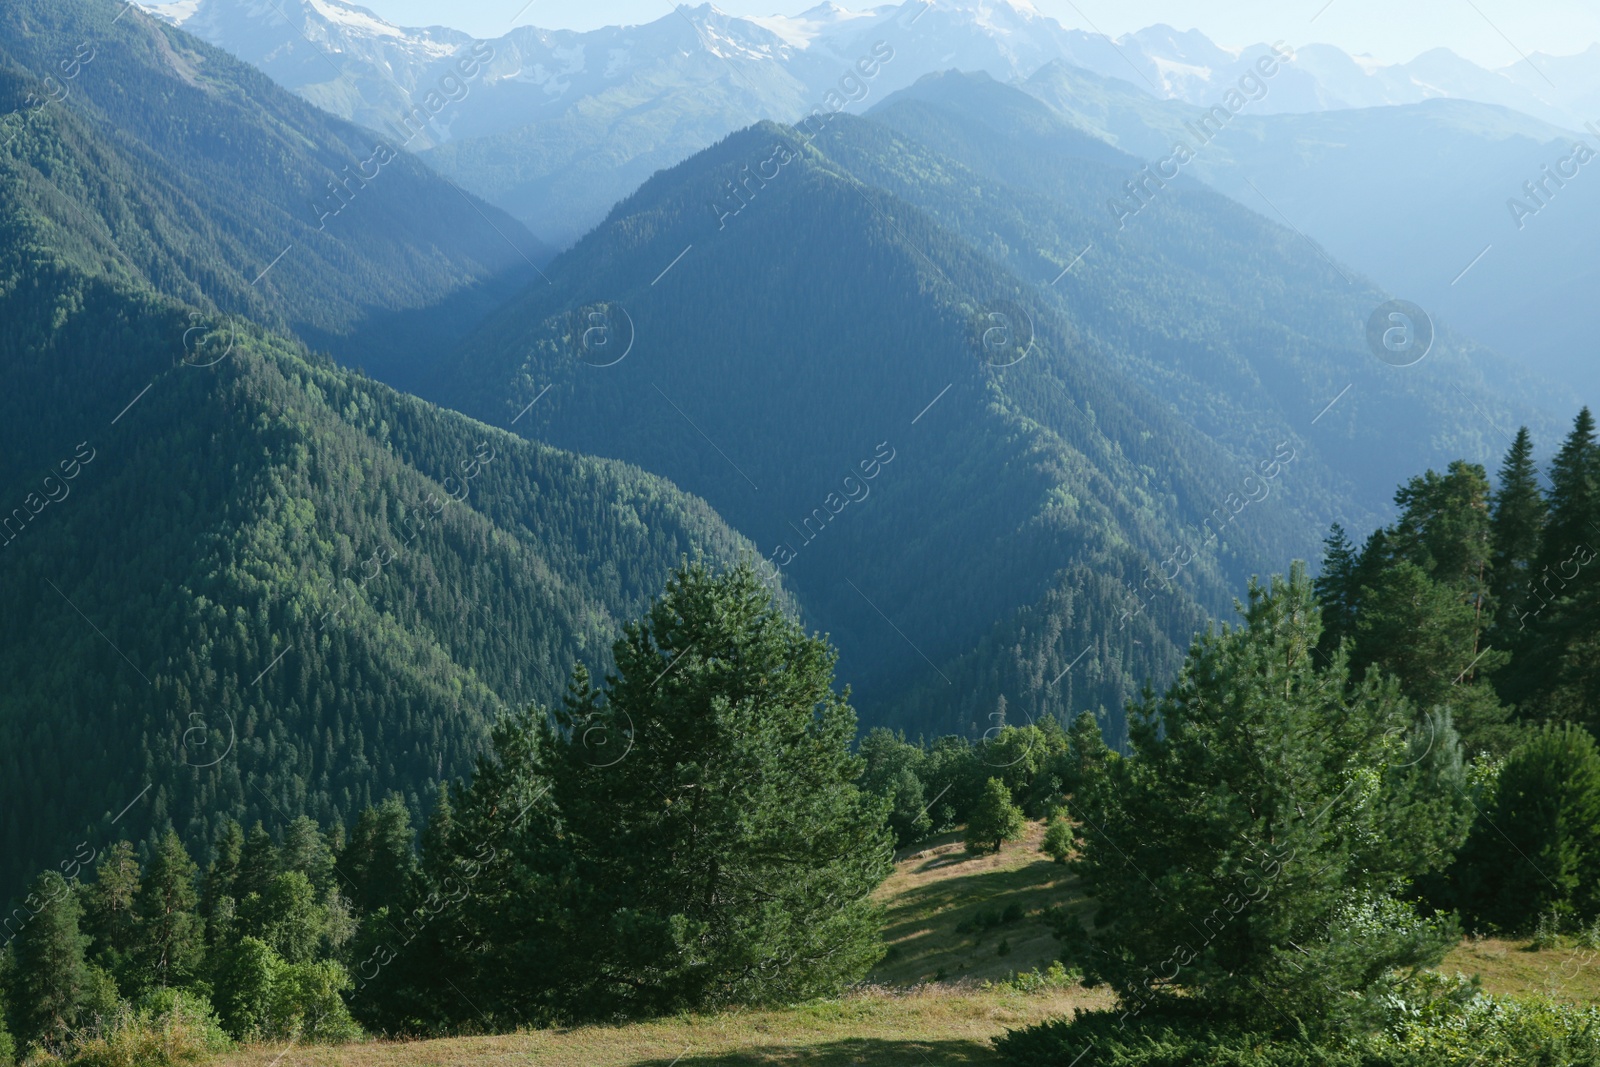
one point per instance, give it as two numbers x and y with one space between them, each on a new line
260 995
168 1029
1432 1021
1445 1022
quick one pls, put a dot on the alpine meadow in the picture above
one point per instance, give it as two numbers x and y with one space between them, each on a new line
947 533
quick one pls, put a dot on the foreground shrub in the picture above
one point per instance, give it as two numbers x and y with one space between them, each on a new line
262 996
168 1029
1448 1023
1432 1021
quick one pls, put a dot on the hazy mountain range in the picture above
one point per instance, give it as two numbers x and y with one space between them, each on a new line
1364 158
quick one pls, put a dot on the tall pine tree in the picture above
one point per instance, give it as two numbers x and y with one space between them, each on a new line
709 810
171 932
51 983
1517 529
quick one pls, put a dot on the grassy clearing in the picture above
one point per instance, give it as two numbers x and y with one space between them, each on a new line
1514 968
937 1026
939 890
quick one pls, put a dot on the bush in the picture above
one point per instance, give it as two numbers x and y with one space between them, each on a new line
263 996
1057 842
1036 981
1168 1041
1431 1021
169 1028
1444 1022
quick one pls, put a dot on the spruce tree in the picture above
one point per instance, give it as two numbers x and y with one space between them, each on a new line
258 864
719 848
171 932
51 983
1557 672
1517 527
380 860
995 820
1336 589
223 871
110 909
1246 857
1574 517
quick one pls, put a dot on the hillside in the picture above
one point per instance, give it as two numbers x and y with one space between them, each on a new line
240 581
864 317
1167 380
162 160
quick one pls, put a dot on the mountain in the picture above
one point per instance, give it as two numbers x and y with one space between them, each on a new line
186 170
1436 179
555 126
782 306
236 579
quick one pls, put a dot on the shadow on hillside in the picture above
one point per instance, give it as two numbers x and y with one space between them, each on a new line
848 1053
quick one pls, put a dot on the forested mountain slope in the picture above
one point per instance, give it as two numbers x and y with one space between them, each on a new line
166 161
787 307
815 365
1244 325
236 580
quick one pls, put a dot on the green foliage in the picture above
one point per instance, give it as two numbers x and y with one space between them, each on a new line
1247 856
1536 847
709 811
51 980
995 820
171 945
287 917
243 983
170 1028
1058 839
262 996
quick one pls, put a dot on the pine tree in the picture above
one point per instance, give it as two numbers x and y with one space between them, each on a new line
1574 497
1246 855
1536 847
380 859
995 820
110 909
171 932
51 981
1335 588
258 864
710 814
1517 527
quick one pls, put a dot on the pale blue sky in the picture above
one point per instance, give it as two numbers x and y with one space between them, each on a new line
1489 32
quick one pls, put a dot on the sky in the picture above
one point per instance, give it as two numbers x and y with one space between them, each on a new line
1491 33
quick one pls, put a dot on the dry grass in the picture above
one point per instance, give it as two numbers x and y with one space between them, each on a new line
937 887
1513 968
928 1027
